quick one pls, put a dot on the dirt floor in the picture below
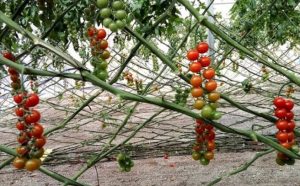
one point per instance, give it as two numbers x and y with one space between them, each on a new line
175 171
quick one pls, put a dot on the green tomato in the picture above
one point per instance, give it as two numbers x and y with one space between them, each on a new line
129 18
87 11
102 65
94 62
102 3
204 161
206 112
121 156
290 161
113 27
127 169
117 5
103 75
120 24
105 12
131 163
120 14
196 155
107 21
280 161
128 162
295 149
214 106
216 115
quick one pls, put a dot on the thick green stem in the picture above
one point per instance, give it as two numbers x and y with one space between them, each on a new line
6 162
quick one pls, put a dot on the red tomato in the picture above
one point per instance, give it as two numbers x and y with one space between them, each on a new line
91 31
8 55
93 42
32 100
282 136
23 138
280 113
37 130
196 147
286 145
199 129
40 142
200 139
15 78
282 125
13 71
202 47
209 127
205 61
209 73
20 112
291 125
20 125
289 104
289 115
291 136
33 117
211 135
192 55
101 34
200 122
18 98
279 102
281 156
195 67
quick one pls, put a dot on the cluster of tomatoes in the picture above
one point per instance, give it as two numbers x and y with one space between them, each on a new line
31 137
113 14
206 97
203 149
204 85
286 125
124 162
99 50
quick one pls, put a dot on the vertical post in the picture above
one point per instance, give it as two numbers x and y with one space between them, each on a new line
211 39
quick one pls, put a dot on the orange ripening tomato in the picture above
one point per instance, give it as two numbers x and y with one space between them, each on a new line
196 81
214 96
91 31
195 67
101 34
209 73
197 92
211 85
